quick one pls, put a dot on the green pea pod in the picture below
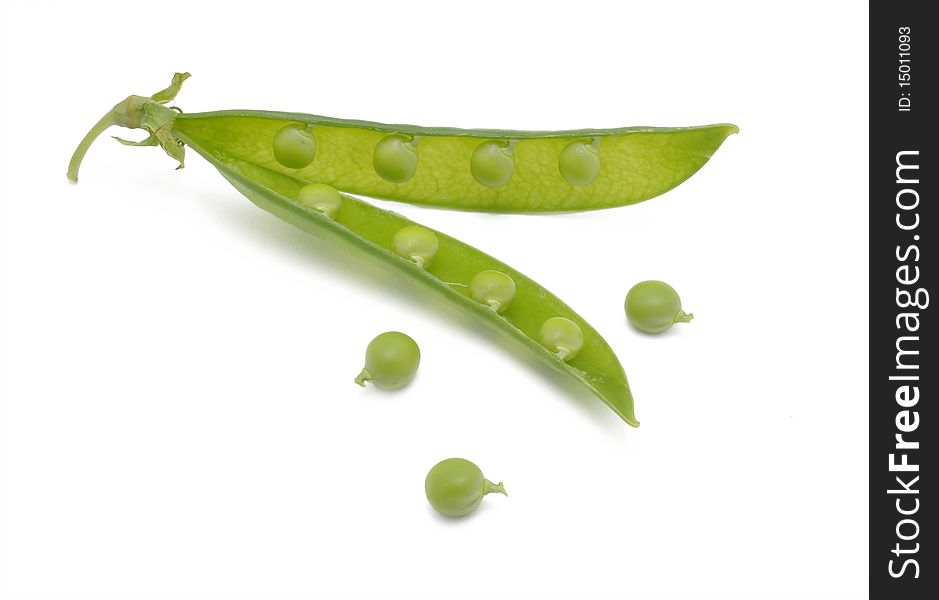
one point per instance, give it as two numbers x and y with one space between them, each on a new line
478 170
465 169
361 226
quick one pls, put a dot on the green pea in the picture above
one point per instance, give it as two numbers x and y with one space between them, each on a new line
579 162
492 163
321 197
562 336
391 360
494 288
455 487
415 243
654 306
395 158
294 146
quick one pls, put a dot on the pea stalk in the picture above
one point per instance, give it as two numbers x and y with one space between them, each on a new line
138 112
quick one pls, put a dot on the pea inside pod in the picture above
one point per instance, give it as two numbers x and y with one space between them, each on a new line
294 146
416 243
563 337
493 163
395 158
493 288
579 162
455 487
321 197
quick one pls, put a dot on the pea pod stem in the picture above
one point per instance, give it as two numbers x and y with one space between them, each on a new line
121 114
79 154
137 112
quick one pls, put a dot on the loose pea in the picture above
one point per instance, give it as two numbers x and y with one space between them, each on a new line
562 336
579 162
415 243
494 288
321 197
654 306
492 163
395 158
294 146
391 360
455 487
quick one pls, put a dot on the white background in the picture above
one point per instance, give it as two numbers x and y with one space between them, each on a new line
178 416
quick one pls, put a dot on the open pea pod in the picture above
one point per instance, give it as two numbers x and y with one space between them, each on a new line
478 170
377 232
466 169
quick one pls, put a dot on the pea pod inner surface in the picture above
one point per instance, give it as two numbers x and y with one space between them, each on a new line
543 171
